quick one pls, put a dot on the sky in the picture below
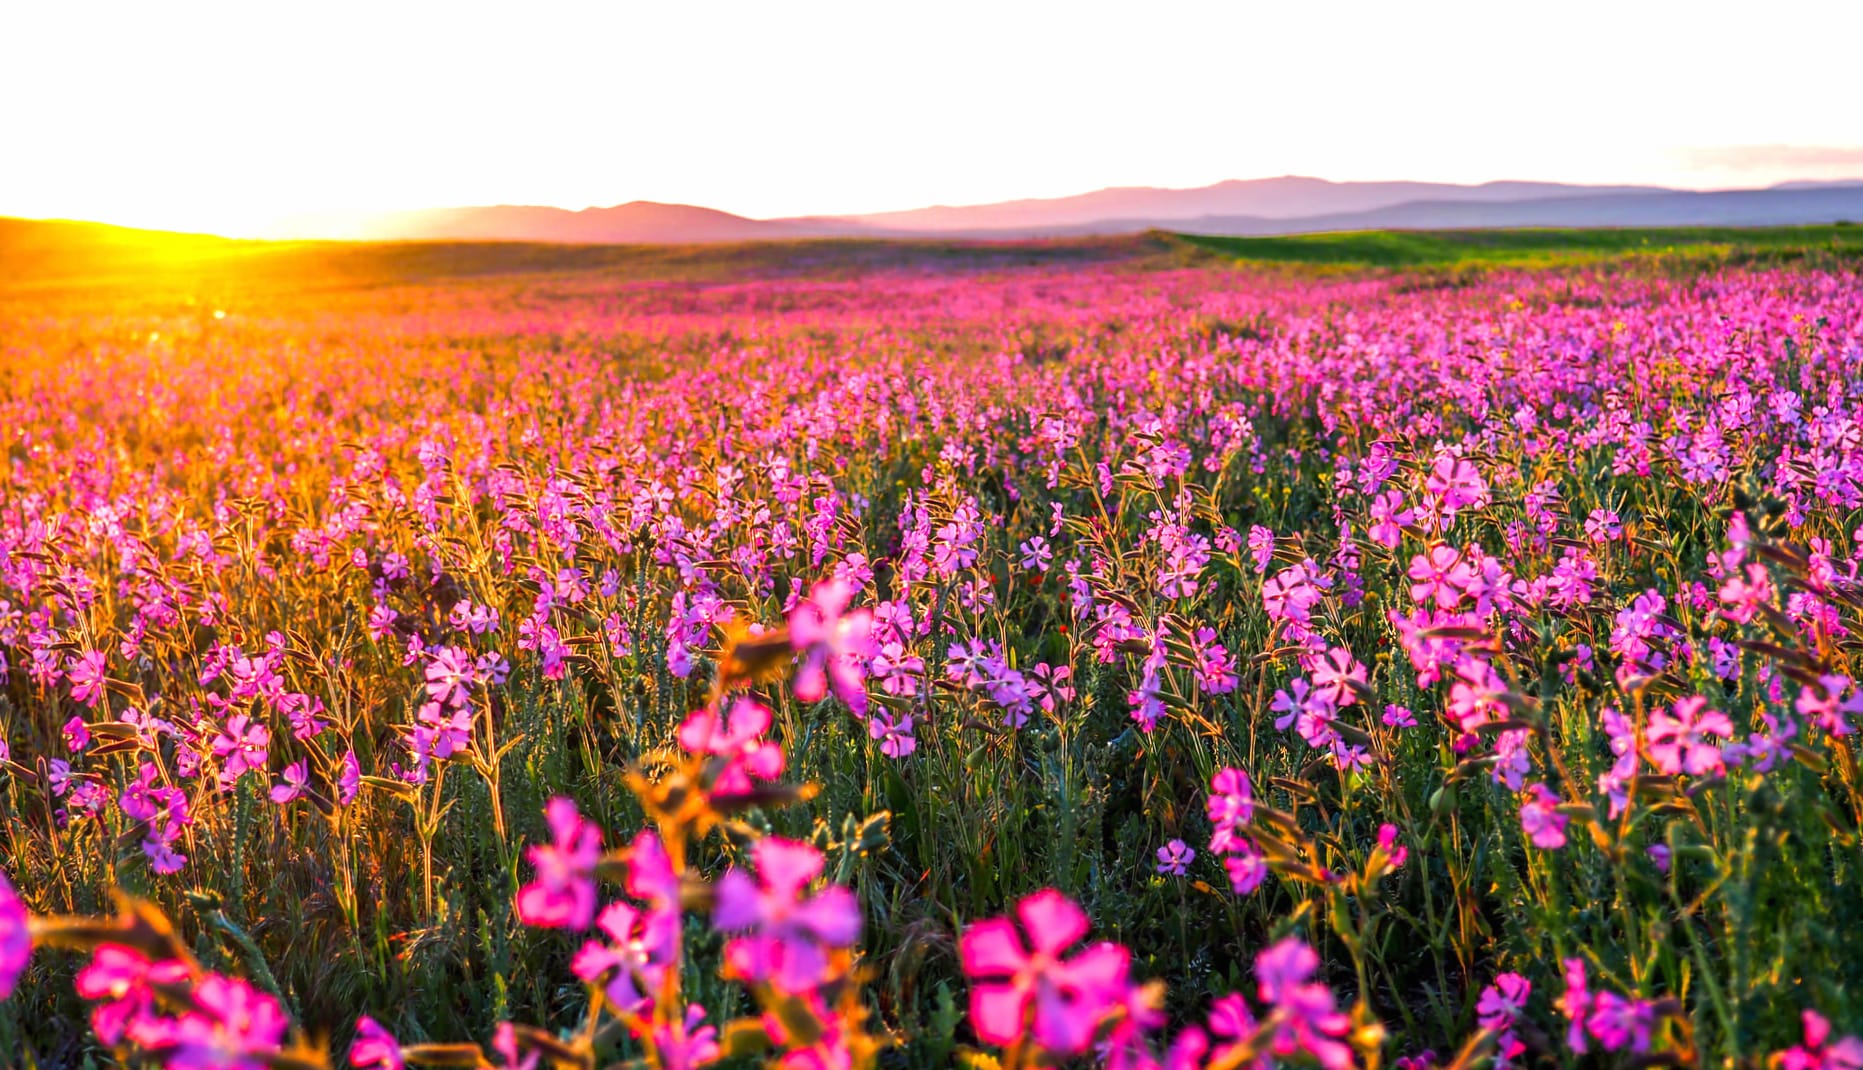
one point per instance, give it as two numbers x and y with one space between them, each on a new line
276 117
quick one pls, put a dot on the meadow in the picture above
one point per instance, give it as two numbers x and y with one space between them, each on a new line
842 655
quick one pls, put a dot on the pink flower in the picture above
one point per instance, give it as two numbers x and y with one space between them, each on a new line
292 782
644 943
788 932
1818 1053
1575 1004
1679 742
235 1028
117 979
15 937
243 745
1311 1019
1231 804
563 895
1246 867
1456 484
736 738
1338 677
686 1044
349 782
1621 1022
375 1047
1017 983
87 672
1502 1002
834 644
895 735
1174 858
1387 841
77 735
1540 818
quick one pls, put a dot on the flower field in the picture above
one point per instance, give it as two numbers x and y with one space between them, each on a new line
1126 664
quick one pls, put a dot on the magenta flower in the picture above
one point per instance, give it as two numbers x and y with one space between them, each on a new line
117 979
1231 804
686 1044
349 782
737 738
1818 1053
1020 986
563 894
1575 1004
1540 818
292 782
1503 1002
1246 867
15 937
1621 1022
1174 858
235 1028
787 933
375 1047
1311 1020
77 735
834 645
894 734
242 744
87 673
1387 841
643 945
1679 743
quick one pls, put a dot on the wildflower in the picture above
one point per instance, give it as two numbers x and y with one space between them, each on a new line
118 980
563 894
1311 1021
1540 818
349 782
736 738
1035 554
375 1047
15 937
834 643
1338 677
1174 858
1020 984
1620 1022
1575 1004
1503 1002
1818 1053
788 933
1246 868
242 744
87 673
685 1044
1231 804
894 735
643 945
292 782
77 735
1679 743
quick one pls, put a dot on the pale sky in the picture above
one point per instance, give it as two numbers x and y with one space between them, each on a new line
233 116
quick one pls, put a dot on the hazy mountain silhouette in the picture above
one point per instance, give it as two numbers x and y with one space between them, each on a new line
637 222
1287 197
1287 205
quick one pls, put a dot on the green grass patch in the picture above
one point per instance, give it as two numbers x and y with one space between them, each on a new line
1532 247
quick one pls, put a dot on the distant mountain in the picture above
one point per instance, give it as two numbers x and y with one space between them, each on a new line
1287 197
1286 205
637 222
1726 208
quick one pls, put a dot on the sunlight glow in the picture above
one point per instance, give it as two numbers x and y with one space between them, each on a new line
269 119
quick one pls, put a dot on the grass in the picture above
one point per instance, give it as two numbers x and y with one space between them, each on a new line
1538 247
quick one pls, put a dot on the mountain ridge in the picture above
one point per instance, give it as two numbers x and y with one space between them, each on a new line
1287 204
